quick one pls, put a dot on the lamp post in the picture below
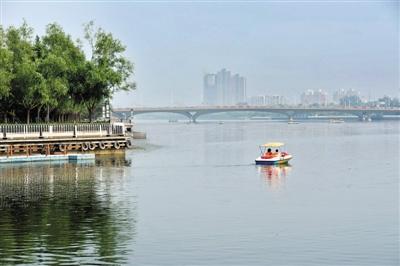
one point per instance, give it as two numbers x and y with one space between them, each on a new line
106 110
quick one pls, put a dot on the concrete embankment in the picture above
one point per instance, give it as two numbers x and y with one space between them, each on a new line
52 157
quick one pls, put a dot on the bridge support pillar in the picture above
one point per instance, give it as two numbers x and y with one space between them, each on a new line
365 118
195 116
290 116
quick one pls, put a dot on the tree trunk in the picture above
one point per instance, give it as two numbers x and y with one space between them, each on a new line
28 116
48 114
38 114
90 114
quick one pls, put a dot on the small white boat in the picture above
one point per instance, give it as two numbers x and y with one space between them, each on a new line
292 122
260 118
272 153
336 121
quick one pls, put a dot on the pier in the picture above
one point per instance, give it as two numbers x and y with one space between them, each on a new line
53 139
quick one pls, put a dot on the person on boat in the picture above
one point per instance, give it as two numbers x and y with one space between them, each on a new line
268 154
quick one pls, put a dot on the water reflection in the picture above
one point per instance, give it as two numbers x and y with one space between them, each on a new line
230 132
114 160
274 175
63 214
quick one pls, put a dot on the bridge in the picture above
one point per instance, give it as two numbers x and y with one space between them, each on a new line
194 112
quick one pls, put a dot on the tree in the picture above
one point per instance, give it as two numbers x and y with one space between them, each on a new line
52 71
27 84
108 70
5 72
30 87
5 66
61 58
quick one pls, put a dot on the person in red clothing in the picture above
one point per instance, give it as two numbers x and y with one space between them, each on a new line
268 154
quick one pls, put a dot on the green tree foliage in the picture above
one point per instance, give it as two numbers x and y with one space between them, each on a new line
5 66
107 71
27 85
52 76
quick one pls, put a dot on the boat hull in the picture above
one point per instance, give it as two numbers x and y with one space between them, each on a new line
273 161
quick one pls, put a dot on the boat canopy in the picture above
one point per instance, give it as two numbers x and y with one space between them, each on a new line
273 144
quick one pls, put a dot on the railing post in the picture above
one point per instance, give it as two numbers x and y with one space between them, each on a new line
108 130
75 132
4 133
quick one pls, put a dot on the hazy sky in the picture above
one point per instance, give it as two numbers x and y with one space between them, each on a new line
280 47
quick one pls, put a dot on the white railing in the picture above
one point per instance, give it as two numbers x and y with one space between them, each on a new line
24 131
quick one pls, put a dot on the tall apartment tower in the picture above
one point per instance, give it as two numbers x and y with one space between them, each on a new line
209 89
223 88
239 89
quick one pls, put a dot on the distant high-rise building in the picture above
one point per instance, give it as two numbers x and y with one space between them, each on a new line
257 100
210 89
222 88
311 97
340 94
238 84
274 100
270 100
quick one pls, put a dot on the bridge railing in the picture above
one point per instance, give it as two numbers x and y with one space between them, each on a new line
244 107
25 131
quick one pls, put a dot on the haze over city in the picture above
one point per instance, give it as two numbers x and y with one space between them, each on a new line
280 48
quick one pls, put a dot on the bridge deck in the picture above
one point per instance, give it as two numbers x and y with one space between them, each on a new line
193 112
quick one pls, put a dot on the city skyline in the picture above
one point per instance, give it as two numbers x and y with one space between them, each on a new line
281 48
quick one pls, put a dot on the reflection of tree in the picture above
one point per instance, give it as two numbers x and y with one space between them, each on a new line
60 214
112 160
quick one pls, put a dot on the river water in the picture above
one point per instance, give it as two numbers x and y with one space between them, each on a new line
191 195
